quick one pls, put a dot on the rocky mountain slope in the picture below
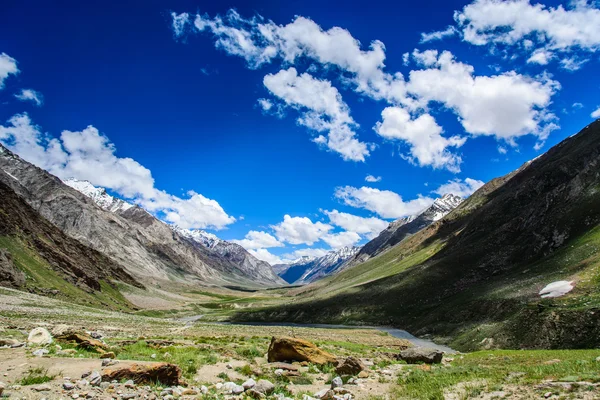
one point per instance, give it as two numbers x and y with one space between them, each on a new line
310 269
146 247
404 227
478 274
36 256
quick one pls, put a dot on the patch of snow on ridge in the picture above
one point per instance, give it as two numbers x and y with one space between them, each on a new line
98 195
557 289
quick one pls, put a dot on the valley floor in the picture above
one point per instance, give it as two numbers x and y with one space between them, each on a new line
210 354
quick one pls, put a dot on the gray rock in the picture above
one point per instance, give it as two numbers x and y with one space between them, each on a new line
264 386
249 384
337 382
416 355
203 389
237 389
350 366
40 352
68 386
255 394
39 336
95 379
128 396
42 388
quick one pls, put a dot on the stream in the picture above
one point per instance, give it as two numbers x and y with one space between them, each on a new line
397 333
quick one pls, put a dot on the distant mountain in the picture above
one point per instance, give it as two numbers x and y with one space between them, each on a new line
259 270
146 247
310 269
404 227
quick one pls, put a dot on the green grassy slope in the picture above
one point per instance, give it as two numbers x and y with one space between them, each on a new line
476 274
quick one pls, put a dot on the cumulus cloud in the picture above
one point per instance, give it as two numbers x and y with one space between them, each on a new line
89 155
385 203
427 147
534 27
300 230
596 113
257 240
8 66
30 95
371 178
462 188
368 226
310 252
341 239
505 106
265 255
322 108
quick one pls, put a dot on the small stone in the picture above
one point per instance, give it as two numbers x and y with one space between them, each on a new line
153 356
189 392
129 384
255 394
337 382
68 386
237 389
40 352
75 396
104 385
363 374
249 384
229 366
2 387
86 374
219 386
42 388
264 386
128 396
278 372
108 354
598 359
95 379
547 394
203 389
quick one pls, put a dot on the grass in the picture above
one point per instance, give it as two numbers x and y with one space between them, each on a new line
40 277
36 376
188 358
493 370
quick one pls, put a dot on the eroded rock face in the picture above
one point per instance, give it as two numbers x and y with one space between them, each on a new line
290 349
416 355
165 373
83 340
350 366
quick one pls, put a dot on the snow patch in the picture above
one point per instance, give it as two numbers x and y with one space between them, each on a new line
557 289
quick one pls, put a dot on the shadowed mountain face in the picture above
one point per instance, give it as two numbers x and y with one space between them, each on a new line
25 234
476 274
146 247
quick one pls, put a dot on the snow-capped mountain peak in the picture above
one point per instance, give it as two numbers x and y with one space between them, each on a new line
443 205
98 195
308 269
204 238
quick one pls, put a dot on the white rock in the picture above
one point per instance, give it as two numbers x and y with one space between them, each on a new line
39 336
337 382
40 352
237 389
203 389
556 289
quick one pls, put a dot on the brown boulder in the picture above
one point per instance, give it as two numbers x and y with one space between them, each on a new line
350 366
165 373
84 340
416 355
290 349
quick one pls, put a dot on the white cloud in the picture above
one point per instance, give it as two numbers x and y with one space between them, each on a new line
8 66
577 105
533 26
460 188
322 108
505 106
541 57
265 104
257 240
310 252
596 114
427 147
386 203
502 150
30 95
300 230
180 22
265 255
371 178
572 64
341 239
89 155
370 227
438 35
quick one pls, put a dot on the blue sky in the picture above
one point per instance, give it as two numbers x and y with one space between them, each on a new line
243 113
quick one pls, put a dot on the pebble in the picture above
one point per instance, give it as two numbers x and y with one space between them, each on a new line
229 366
68 386
42 388
128 396
40 352
95 378
249 384
337 382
